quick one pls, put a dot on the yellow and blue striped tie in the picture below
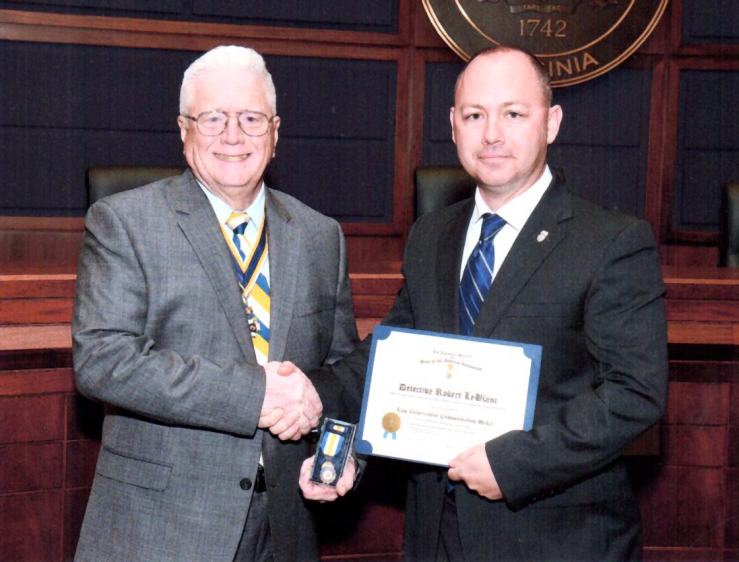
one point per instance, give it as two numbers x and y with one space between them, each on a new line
249 257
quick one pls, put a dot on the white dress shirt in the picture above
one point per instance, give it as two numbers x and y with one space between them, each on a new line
515 212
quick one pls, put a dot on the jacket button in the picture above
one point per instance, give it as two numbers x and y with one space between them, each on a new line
245 484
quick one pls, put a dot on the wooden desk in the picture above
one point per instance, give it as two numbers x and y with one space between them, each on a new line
702 305
36 311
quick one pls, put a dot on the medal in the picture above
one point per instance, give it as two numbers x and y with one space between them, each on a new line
328 472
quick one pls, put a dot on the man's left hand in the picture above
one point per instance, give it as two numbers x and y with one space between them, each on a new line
473 468
314 491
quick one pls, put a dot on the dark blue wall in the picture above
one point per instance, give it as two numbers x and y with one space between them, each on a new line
708 146
336 148
713 21
64 108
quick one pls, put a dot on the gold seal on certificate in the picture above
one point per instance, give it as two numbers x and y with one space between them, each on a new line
391 424
451 392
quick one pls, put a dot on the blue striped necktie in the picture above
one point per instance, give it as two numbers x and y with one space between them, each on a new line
478 274
249 257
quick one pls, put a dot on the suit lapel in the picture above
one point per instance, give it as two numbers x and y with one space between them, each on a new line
529 250
449 264
284 253
200 226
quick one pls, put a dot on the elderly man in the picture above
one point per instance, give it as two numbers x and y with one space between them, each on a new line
190 291
527 261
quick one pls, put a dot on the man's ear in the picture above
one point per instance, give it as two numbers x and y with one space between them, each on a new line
554 119
182 124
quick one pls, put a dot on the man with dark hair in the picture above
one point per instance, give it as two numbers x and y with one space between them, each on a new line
527 261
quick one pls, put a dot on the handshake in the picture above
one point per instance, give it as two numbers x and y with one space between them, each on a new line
291 408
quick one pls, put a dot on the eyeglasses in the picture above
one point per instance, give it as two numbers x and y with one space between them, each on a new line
213 123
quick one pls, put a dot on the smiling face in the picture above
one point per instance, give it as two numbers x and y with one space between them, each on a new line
502 124
231 164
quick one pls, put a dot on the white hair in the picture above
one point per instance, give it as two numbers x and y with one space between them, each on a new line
230 57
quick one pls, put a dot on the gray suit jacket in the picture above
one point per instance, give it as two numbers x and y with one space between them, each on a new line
590 293
160 335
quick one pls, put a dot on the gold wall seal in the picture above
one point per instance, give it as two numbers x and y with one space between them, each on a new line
575 39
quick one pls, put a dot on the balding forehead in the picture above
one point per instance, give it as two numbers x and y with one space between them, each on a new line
501 52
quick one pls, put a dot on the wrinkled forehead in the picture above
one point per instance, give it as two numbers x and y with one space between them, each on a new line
230 89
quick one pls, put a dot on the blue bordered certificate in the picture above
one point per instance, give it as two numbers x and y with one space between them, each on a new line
429 396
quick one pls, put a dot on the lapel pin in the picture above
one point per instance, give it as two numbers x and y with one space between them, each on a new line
542 236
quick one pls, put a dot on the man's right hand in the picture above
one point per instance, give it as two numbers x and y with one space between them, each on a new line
321 493
291 406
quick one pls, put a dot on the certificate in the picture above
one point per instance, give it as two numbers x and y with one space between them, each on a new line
429 396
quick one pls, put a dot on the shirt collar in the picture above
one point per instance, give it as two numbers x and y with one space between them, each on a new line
223 210
516 211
